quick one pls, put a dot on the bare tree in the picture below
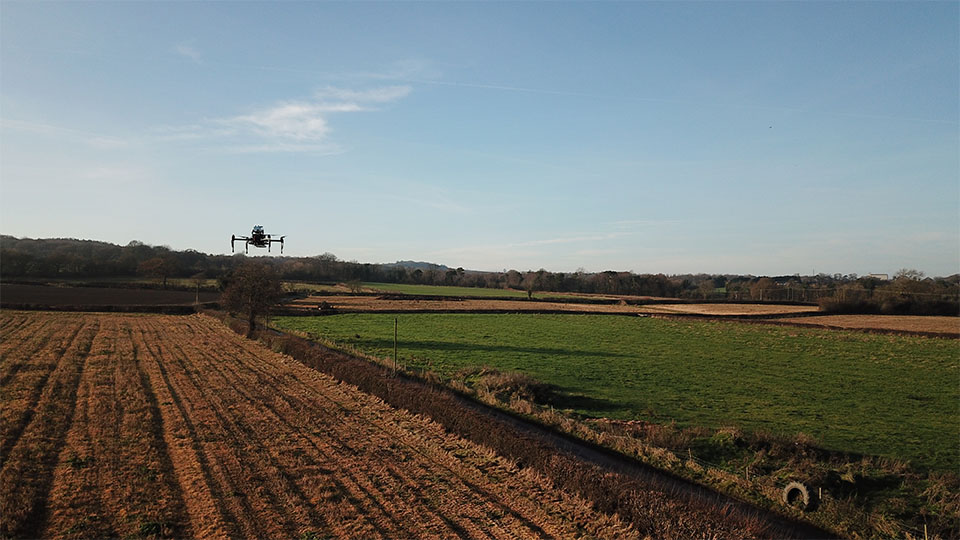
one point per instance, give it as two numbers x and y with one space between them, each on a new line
908 273
253 289
763 289
157 267
355 285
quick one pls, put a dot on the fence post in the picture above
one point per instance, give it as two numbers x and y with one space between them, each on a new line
396 327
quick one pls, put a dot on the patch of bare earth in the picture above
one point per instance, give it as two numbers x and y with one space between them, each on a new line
131 425
727 309
904 323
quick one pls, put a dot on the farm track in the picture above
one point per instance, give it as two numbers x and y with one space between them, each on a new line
135 426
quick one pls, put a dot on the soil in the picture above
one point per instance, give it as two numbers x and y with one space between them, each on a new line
119 425
728 309
53 296
901 323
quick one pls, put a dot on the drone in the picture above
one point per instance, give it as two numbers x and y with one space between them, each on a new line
258 238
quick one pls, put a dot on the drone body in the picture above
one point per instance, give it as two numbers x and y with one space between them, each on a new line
257 238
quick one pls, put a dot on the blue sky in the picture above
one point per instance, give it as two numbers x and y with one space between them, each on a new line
759 138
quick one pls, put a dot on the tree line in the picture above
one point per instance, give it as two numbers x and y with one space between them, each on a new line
91 260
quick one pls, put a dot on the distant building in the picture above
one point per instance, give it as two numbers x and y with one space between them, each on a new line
883 277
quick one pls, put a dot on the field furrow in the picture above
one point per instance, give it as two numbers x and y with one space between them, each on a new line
27 471
75 503
30 367
209 516
10 328
222 465
235 392
419 477
251 402
115 452
23 350
436 470
342 440
170 426
282 505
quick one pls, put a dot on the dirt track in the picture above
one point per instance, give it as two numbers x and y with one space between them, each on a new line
133 425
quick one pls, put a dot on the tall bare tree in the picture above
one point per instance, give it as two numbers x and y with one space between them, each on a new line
158 267
253 289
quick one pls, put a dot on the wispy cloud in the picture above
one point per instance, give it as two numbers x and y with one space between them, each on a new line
576 239
329 149
95 140
349 97
288 126
115 175
188 50
643 223
432 200
574 249
417 71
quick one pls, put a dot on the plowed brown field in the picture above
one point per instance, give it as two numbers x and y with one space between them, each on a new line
151 425
903 323
728 310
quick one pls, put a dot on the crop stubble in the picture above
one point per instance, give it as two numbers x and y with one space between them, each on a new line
120 425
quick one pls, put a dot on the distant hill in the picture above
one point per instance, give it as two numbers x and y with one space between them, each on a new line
417 265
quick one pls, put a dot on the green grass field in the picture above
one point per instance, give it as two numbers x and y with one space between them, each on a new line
881 395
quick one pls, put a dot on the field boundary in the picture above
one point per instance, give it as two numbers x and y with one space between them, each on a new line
608 479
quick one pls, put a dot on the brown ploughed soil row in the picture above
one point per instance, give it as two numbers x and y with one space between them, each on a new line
153 425
730 310
901 323
44 295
